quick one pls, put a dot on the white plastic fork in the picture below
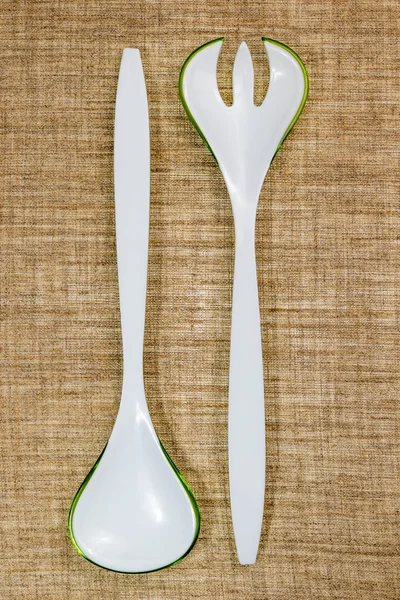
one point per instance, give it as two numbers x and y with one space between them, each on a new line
244 139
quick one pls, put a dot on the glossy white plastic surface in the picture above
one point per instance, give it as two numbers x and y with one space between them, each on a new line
135 514
244 139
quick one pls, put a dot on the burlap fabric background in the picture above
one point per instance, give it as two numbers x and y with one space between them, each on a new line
328 258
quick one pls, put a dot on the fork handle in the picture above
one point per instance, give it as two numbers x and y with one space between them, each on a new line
246 404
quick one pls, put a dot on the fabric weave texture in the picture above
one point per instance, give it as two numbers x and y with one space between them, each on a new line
328 253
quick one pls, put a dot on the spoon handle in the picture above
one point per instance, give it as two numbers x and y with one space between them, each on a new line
246 405
132 205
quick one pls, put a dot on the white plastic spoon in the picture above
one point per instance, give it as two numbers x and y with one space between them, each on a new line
134 512
244 139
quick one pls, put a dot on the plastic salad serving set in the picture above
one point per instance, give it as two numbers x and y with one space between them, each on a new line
134 512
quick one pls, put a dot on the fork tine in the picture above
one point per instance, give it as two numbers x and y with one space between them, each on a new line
243 76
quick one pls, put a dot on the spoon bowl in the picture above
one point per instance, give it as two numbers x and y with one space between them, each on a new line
134 512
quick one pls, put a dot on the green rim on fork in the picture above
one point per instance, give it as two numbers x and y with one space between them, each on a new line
264 39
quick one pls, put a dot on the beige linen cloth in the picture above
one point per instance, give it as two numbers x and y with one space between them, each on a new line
328 250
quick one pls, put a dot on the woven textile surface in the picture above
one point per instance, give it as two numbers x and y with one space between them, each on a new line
328 253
